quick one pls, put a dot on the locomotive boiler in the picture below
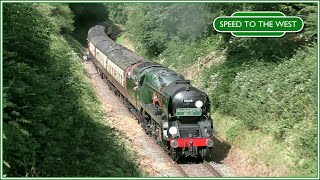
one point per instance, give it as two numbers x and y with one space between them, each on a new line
169 108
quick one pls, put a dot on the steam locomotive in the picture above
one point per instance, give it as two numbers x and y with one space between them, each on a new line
169 108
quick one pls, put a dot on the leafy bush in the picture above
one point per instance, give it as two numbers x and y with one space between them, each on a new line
180 55
281 99
52 122
153 26
117 12
283 93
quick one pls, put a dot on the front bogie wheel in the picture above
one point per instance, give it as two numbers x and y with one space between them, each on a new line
206 153
173 153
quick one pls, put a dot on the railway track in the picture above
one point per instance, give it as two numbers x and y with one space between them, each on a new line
200 170
212 169
181 170
193 169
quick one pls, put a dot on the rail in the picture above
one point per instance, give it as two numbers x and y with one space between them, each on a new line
211 169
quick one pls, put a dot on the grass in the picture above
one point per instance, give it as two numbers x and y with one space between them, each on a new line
262 148
120 39
223 124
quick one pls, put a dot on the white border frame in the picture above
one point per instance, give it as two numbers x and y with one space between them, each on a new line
218 1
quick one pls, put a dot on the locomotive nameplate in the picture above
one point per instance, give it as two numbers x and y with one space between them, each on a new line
188 112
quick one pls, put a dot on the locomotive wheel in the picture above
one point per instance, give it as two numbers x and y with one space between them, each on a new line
153 129
206 153
159 136
173 153
144 122
140 119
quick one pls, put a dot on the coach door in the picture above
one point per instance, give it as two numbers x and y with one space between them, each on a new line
130 86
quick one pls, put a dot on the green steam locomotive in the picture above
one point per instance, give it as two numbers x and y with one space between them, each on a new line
168 107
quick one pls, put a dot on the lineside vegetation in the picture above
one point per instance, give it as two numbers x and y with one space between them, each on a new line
52 121
266 86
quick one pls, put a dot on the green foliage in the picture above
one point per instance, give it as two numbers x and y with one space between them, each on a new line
308 12
284 93
269 49
117 12
303 139
52 121
17 34
153 26
216 81
59 14
146 28
233 132
63 17
281 99
180 55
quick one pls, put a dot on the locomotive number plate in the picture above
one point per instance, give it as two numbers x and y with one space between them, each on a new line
188 112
